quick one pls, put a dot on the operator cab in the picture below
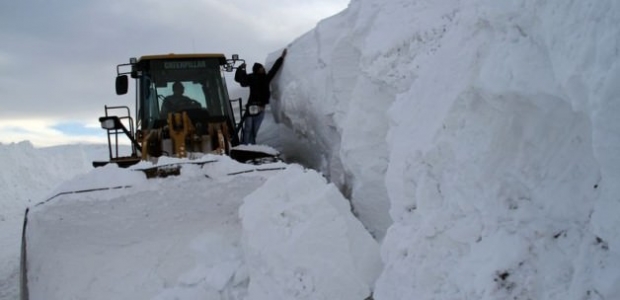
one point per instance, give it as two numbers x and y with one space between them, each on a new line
200 76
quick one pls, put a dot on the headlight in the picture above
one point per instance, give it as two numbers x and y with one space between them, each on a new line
108 124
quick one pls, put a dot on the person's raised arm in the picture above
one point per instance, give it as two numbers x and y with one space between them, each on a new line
276 66
241 76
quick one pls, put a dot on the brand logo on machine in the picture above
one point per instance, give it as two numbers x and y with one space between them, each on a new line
185 64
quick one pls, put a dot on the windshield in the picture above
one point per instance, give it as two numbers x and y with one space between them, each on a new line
172 85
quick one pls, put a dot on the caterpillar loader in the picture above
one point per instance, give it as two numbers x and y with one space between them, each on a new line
77 243
182 110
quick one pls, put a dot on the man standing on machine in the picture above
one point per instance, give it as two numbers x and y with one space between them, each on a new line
260 93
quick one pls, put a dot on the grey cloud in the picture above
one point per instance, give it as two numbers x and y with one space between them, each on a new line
58 59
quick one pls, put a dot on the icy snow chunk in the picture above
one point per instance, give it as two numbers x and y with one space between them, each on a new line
301 241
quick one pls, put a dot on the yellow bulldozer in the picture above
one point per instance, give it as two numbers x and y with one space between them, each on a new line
182 110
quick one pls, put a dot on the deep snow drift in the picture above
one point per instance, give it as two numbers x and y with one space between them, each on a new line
486 131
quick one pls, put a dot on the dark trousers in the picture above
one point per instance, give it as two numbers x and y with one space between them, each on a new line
251 126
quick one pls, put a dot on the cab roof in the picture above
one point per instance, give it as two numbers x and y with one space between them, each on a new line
172 56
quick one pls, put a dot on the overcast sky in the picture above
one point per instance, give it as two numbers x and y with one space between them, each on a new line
58 58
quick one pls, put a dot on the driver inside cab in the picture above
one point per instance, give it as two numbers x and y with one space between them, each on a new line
177 101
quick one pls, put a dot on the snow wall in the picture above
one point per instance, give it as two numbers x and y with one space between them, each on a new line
485 135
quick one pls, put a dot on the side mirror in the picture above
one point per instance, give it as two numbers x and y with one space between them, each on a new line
235 56
122 84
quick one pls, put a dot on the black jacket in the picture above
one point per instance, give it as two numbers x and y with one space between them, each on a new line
258 83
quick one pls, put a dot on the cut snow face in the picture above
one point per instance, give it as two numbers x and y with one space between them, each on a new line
183 237
487 132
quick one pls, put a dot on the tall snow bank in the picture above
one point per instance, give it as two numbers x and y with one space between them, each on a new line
493 127
302 242
511 177
336 102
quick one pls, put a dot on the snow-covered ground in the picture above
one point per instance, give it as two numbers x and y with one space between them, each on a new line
477 141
